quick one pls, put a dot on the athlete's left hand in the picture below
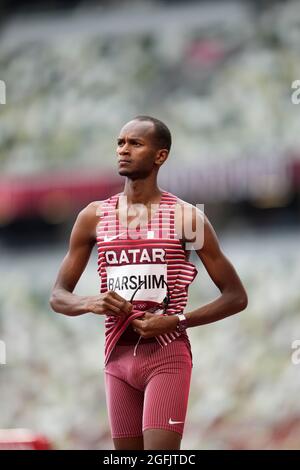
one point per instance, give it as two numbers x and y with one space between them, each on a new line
152 325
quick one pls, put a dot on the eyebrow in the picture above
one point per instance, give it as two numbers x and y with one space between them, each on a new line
131 139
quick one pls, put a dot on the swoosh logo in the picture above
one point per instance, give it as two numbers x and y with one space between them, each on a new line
175 422
108 239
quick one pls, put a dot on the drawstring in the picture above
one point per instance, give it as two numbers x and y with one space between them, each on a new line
132 297
135 347
138 287
165 303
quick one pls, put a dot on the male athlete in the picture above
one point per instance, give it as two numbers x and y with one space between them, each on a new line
144 237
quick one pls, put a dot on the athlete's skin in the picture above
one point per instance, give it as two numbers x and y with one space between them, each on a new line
139 161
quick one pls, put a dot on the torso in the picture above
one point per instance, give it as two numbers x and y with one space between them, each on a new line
123 263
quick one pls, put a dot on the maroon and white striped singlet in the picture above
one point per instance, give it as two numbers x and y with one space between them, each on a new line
143 265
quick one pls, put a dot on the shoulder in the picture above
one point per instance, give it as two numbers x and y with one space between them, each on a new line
95 209
87 220
91 211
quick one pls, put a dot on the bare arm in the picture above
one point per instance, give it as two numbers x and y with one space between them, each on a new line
233 298
82 240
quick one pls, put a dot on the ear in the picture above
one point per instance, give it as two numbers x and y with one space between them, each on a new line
161 156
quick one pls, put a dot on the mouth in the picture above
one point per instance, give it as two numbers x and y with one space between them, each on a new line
124 162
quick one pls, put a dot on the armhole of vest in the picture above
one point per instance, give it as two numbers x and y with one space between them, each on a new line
176 199
110 200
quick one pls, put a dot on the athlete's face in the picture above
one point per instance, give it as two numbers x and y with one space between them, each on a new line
138 155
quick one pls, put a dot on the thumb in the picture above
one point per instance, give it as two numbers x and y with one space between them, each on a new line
137 322
147 315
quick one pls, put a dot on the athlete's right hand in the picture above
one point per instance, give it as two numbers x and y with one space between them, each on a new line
109 303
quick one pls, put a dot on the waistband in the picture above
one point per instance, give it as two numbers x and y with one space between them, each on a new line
131 337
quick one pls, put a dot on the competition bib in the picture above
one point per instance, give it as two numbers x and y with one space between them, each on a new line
126 279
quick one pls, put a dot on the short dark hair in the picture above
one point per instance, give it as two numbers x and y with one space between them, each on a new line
163 137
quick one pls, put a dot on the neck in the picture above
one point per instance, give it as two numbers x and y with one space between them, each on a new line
141 191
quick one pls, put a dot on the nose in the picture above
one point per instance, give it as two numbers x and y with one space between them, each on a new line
123 150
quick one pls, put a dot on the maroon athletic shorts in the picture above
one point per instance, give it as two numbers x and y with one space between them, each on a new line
147 386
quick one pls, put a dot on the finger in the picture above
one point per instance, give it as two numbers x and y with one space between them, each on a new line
120 302
113 310
116 307
139 331
121 306
138 319
137 323
147 315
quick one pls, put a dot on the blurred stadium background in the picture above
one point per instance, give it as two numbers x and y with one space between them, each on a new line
219 74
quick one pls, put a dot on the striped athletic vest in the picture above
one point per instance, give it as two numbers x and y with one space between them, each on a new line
142 265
